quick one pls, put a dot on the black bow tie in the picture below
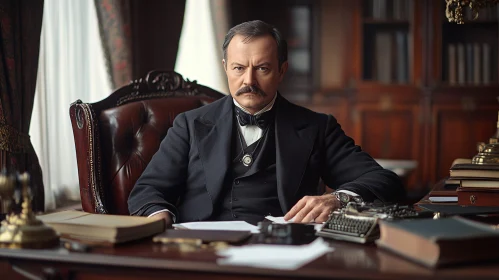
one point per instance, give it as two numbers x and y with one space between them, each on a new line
261 120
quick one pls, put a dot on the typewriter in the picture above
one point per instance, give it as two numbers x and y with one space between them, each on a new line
358 222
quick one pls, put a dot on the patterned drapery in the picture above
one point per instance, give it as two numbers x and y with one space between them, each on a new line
20 27
115 31
220 18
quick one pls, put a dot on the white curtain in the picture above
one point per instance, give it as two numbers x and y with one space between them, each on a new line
199 55
71 67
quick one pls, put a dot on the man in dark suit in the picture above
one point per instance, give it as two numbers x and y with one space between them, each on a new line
254 153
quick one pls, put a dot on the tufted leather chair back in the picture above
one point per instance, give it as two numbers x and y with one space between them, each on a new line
116 138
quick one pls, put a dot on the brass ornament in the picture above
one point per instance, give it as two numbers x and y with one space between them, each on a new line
472 199
488 153
22 230
455 8
186 245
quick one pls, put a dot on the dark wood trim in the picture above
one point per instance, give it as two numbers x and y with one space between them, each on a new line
358 42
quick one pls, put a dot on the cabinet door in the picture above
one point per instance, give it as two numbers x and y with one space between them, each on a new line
388 131
455 131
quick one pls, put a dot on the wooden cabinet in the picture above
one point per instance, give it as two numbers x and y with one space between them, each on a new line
463 86
455 130
402 81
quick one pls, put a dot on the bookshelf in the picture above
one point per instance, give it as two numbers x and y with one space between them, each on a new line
388 70
464 86
387 36
469 51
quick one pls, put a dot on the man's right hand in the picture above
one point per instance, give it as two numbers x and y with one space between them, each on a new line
165 216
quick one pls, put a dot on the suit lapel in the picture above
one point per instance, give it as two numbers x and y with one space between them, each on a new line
214 135
294 142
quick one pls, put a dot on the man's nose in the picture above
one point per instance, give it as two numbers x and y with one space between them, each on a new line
249 78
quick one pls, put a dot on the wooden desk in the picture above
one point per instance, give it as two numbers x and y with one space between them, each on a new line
147 260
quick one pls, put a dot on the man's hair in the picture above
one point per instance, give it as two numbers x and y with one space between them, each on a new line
257 28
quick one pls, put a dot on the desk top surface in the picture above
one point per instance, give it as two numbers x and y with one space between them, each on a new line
347 261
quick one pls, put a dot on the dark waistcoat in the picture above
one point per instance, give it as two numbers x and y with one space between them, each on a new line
250 193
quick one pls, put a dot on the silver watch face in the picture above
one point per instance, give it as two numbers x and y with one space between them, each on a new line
343 197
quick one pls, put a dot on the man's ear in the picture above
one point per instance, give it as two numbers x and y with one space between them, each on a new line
224 65
282 71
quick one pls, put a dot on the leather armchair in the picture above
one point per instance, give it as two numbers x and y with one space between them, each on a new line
116 138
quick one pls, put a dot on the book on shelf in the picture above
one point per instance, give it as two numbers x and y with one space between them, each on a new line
477 78
379 9
102 227
440 242
401 10
388 9
383 52
461 64
402 66
451 52
469 63
486 58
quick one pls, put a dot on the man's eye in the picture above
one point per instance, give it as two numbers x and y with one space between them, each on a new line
238 68
264 69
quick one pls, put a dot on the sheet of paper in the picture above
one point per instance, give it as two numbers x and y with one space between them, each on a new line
280 220
287 257
443 198
224 225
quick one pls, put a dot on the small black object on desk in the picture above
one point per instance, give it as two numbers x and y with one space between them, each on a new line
287 234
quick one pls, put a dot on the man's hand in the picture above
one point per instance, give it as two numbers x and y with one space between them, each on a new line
165 216
313 209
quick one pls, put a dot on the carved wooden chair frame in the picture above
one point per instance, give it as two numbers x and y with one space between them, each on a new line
84 120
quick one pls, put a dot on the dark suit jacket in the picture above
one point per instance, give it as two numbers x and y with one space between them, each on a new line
187 173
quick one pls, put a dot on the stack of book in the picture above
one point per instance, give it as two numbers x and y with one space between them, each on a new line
478 183
444 191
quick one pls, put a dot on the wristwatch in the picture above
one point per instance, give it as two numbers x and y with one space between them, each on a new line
344 198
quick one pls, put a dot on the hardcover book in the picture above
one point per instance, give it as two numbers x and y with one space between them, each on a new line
469 170
440 242
102 227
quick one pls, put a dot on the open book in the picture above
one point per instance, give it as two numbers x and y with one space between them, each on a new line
101 227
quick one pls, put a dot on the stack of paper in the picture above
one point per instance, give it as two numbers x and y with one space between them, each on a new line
224 225
286 257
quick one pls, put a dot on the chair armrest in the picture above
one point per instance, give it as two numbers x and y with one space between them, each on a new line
88 157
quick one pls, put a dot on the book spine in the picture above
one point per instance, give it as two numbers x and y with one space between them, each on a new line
461 61
476 64
384 57
452 64
486 63
469 64
402 67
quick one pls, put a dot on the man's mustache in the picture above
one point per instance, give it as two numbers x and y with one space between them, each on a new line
254 89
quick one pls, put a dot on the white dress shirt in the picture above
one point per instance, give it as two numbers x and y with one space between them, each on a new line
251 133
